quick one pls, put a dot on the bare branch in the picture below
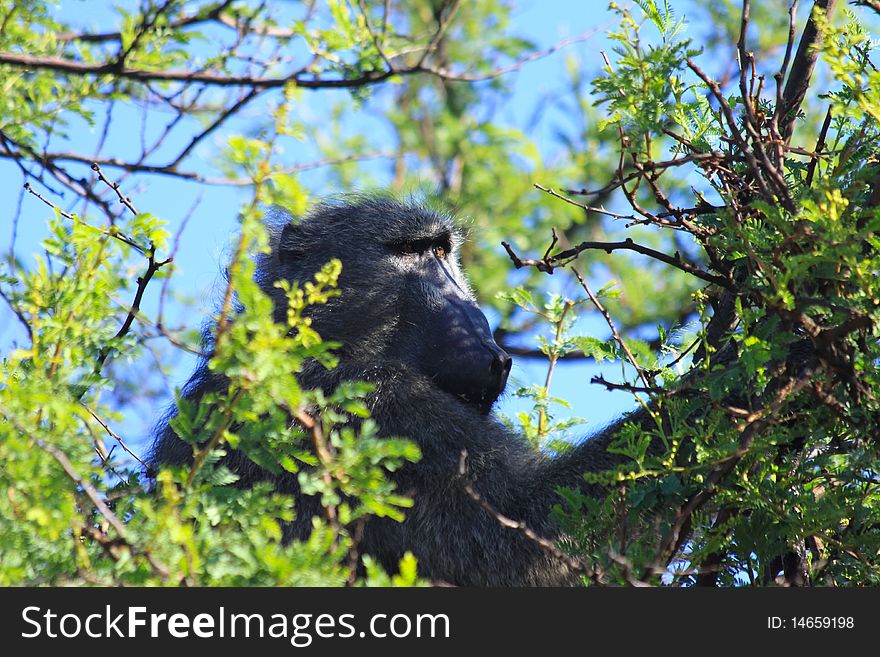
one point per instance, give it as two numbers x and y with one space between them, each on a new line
212 13
563 258
629 354
143 281
115 437
296 78
19 314
153 266
67 215
324 452
871 4
115 187
221 118
802 68
80 187
820 144
172 171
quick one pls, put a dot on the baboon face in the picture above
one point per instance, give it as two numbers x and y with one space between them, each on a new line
403 296
442 330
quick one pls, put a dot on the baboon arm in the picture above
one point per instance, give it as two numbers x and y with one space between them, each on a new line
591 455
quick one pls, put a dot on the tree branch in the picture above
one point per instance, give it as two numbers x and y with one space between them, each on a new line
802 68
548 264
299 78
753 426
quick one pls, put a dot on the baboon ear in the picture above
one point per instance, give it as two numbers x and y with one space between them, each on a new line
289 246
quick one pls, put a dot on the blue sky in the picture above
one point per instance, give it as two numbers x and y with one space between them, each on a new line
204 245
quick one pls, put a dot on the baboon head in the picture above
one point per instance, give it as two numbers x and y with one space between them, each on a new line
404 299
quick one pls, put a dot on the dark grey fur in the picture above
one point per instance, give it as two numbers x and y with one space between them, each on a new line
384 318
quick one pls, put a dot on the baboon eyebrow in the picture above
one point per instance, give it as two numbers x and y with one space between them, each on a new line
423 241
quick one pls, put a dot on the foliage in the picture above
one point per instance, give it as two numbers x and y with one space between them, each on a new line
765 461
739 310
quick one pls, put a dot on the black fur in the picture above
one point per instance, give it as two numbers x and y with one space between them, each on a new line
409 324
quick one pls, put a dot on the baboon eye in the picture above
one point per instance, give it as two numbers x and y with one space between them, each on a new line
439 251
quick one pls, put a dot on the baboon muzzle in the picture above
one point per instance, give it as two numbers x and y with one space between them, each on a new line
470 364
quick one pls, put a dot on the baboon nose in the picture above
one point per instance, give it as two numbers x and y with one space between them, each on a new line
493 385
500 366
501 363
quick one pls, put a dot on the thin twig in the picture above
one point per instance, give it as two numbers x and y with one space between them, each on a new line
626 350
820 144
115 187
563 258
115 436
67 215
326 457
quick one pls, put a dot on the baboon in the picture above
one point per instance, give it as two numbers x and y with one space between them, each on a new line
409 324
